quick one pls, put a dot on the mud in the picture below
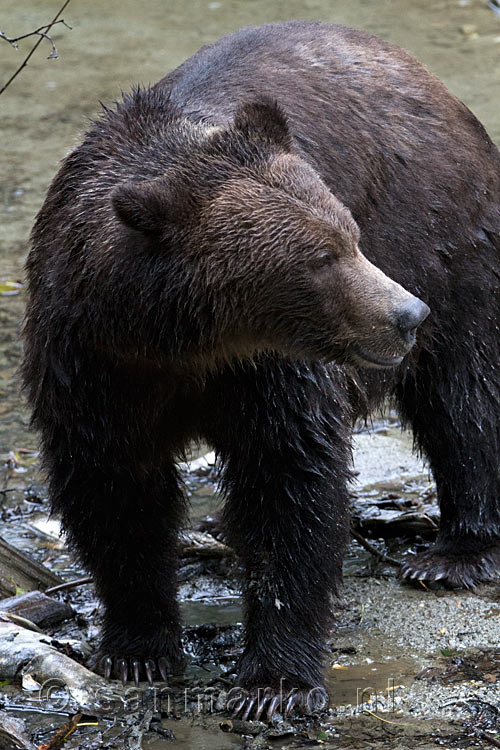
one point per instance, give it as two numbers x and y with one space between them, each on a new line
407 667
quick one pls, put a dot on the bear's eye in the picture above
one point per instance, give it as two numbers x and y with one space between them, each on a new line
322 261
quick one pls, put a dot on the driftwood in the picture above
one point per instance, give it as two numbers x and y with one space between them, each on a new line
392 517
37 608
31 655
202 544
13 734
17 570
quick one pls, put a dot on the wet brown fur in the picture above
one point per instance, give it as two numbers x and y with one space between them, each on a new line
177 291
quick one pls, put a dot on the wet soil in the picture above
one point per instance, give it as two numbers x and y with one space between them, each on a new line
407 668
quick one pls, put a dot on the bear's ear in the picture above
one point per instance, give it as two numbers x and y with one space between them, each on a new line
264 117
144 206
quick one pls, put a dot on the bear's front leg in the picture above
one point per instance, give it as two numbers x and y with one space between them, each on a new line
123 526
283 433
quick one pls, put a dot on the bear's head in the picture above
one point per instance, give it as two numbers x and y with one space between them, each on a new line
258 254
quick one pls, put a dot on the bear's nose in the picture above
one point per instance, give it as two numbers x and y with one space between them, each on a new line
411 316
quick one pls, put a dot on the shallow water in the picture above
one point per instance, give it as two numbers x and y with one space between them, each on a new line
115 44
112 45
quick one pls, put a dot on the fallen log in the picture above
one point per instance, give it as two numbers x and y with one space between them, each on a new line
18 571
30 655
38 608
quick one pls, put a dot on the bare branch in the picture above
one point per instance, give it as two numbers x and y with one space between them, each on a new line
373 550
42 33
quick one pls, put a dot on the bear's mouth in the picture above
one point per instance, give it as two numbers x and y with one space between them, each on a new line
368 358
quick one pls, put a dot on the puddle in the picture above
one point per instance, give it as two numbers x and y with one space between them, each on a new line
371 681
203 498
223 610
196 736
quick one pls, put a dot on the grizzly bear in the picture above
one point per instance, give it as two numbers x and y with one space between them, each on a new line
202 269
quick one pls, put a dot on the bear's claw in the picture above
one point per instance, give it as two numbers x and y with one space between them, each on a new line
254 706
123 668
462 569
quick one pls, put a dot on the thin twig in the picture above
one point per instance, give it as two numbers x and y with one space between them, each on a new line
35 47
387 721
492 740
374 551
69 585
41 31
62 734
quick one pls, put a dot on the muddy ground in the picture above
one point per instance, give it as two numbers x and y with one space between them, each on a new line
408 667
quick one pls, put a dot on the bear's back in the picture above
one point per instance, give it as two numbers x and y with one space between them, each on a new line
414 165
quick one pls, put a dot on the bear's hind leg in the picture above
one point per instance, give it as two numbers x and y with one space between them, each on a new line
454 409
283 431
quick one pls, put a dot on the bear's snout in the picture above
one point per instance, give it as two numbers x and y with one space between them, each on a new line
386 331
410 317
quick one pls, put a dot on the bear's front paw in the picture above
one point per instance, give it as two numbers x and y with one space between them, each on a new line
136 654
137 668
262 704
458 567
